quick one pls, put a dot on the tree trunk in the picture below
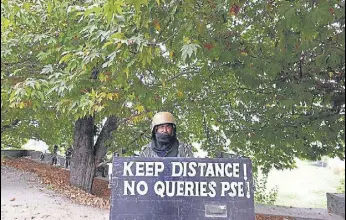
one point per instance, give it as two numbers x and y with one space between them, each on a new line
86 155
83 165
110 125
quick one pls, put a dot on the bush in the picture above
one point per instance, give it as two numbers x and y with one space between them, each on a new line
341 187
262 194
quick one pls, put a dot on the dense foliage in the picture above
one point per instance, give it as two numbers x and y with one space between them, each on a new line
264 79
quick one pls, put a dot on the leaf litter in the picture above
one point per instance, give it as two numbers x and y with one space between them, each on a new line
57 179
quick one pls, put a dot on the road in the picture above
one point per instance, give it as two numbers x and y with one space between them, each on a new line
23 197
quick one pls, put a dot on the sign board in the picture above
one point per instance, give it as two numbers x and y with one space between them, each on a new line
181 189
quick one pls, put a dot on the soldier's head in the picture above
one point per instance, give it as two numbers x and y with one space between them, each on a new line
163 122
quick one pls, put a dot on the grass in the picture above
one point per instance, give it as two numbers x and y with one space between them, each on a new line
305 186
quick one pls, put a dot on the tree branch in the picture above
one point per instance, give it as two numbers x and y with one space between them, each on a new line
175 76
14 123
138 137
15 63
100 146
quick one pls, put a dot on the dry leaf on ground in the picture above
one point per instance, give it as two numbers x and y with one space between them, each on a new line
58 180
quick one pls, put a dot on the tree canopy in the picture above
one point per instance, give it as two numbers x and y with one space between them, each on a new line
264 79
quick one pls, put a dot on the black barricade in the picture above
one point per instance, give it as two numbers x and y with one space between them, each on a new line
181 189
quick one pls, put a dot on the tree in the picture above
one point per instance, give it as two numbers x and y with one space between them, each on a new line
264 79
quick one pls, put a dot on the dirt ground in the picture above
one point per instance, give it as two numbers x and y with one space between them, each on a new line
23 197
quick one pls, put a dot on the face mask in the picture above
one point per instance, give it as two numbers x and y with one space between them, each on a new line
164 138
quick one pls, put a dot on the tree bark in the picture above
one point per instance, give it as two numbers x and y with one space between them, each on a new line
83 166
86 155
110 125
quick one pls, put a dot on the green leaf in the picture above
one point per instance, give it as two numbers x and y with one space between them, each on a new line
47 69
65 58
320 60
188 50
26 6
5 22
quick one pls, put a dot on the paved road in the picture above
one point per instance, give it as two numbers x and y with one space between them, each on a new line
23 197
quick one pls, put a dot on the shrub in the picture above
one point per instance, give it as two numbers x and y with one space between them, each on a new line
262 194
341 187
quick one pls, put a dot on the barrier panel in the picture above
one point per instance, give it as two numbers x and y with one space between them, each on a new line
181 188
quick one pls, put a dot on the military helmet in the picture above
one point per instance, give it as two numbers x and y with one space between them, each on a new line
162 118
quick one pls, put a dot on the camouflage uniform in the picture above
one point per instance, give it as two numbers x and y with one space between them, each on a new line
184 150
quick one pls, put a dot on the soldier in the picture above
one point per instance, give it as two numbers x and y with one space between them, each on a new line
54 155
164 142
68 155
102 168
42 156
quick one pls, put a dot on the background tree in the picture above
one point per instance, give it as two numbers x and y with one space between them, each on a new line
263 79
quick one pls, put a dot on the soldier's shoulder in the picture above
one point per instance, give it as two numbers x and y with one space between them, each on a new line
146 149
